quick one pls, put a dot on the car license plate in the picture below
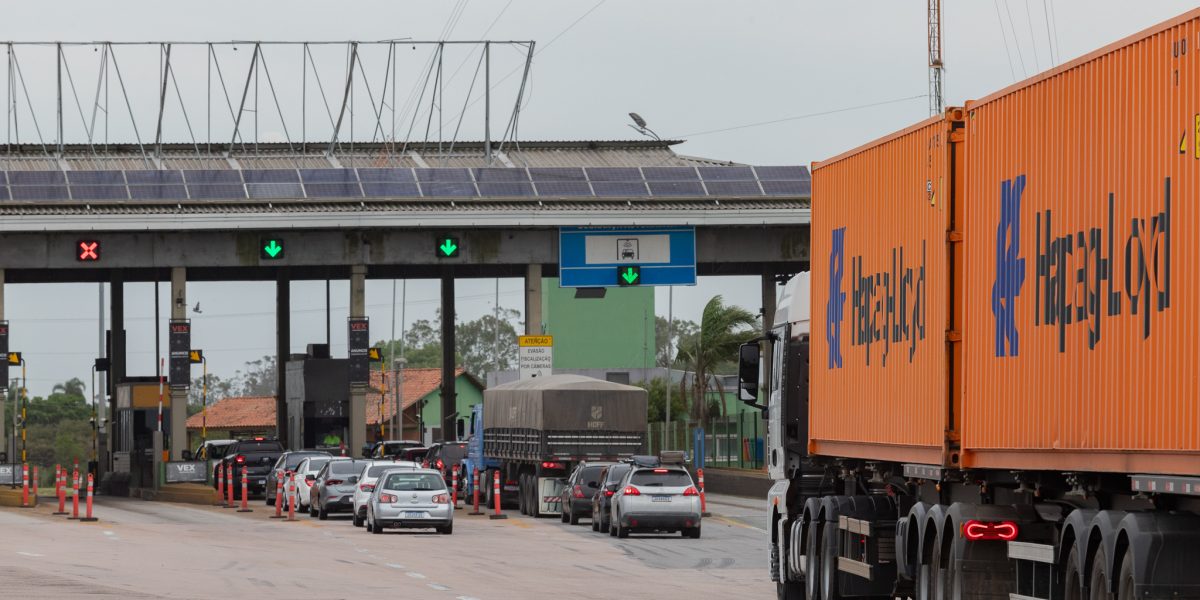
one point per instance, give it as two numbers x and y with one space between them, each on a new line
660 498
414 515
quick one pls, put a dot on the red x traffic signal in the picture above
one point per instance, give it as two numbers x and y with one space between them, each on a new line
87 250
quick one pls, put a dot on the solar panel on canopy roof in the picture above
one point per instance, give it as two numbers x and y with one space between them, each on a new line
434 189
563 188
613 174
275 190
782 173
271 176
384 175
158 192
443 175
670 174
676 188
36 178
216 191
620 188
99 192
388 189
727 173
506 188
204 176
733 188
139 177
787 188
96 177
39 192
328 176
333 190
4 192
491 174
540 174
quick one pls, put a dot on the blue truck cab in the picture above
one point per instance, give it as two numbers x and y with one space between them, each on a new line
475 458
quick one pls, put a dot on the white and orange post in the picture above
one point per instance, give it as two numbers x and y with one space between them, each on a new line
292 497
60 489
229 487
496 495
25 485
90 483
454 486
245 493
278 498
703 502
220 485
75 495
475 491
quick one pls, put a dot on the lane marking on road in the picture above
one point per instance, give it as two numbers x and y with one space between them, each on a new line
466 598
439 587
415 575
736 524
396 566
30 554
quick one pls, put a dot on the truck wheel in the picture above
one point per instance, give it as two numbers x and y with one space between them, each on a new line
1125 579
829 553
1072 578
791 590
1099 581
812 560
522 505
535 497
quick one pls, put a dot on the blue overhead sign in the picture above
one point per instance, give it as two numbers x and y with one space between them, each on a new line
626 256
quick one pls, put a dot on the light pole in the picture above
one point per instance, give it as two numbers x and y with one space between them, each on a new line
398 366
640 126
204 398
670 362
24 413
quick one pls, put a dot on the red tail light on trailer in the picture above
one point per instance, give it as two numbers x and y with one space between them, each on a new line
978 531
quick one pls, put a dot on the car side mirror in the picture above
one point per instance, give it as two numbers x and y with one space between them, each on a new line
749 361
187 455
310 478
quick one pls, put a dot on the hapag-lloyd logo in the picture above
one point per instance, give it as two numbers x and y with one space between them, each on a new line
1077 278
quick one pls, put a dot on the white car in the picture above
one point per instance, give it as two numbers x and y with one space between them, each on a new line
305 472
365 484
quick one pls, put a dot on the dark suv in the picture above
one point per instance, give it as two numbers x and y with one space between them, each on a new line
258 456
581 488
443 456
610 481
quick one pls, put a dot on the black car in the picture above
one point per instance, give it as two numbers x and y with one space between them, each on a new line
610 480
443 457
258 456
393 448
288 461
581 488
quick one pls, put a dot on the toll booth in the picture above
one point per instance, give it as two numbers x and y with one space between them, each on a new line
318 398
133 426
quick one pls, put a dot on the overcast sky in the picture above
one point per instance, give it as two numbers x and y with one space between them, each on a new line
829 75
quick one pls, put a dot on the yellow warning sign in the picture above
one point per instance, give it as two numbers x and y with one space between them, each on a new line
14 358
195 356
375 354
535 341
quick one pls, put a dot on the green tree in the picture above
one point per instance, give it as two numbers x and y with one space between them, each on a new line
683 332
722 329
657 392
476 347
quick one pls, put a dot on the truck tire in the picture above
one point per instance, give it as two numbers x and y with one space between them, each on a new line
829 553
1072 578
1098 583
812 560
522 500
929 575
535 497
1125 577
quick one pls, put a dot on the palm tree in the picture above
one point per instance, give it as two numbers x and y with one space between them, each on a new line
71 387
722 329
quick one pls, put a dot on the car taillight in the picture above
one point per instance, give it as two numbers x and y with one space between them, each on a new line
578 492
691 491
441 499
660 470
367 487
608 493
631 491
333 482
388 498
553 465
240 459
977 531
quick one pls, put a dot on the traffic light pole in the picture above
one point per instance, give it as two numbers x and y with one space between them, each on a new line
24 412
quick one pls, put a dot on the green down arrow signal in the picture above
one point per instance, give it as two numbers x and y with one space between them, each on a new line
273 249
630 275
449 247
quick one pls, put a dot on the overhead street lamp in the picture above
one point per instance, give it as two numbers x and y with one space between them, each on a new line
640 126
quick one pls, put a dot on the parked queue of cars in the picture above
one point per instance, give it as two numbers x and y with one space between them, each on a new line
403 485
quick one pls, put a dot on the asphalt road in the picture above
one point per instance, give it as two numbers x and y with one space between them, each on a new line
158 550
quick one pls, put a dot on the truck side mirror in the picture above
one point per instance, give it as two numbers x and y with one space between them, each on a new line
460 429
748 369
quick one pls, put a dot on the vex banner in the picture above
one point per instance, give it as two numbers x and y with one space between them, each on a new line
180 346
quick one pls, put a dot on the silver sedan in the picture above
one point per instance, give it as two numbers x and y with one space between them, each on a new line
410 498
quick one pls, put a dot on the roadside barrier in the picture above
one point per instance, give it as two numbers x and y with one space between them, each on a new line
496 495
278 498
229 487
245 492
24 486
74 496
703 503
89 516
292 492
60 489
221 486
475 487
454 487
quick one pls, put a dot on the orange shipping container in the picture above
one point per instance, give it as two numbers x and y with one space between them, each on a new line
879 287
1082 246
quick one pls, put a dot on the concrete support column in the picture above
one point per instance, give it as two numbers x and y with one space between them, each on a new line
116 373
283 347
358 393
179 414
533 300
449 395
768 320
3 422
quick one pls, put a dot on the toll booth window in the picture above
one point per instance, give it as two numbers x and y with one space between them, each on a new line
409 482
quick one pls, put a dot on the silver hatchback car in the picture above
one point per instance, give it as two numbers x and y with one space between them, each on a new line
656 499
410 498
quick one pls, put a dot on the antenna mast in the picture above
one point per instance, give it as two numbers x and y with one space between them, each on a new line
935 58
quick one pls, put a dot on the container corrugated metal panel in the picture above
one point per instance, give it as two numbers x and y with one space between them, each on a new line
1083 191
878 362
